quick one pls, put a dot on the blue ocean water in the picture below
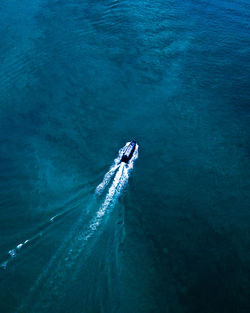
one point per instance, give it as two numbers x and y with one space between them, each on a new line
79 79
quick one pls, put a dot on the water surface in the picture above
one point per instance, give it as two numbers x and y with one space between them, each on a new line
78 80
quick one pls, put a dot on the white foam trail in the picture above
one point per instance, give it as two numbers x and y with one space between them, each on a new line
55 275
110 173
13 252
114 192
109 200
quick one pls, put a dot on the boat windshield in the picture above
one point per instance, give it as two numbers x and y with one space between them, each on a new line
129 149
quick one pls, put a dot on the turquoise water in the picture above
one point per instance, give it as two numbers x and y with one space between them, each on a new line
79 79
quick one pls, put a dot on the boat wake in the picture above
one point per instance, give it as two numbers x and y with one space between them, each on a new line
62 265
13 253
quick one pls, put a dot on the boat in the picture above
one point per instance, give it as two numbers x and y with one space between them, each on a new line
129 151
